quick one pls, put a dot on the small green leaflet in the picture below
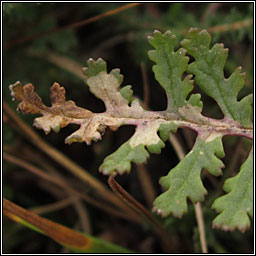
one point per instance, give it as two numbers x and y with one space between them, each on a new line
235 206
184 180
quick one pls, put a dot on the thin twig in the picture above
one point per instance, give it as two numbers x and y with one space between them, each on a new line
142 211
146 184
43 209
135 205
145 85
233 26
61 61
69 26
83 215
37 171
76 202
82 222
177 146
60 158
200 222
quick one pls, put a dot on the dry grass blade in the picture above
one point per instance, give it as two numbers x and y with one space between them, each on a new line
43 209
145 85
70 26
61 61
166 239
146 184
68 164
56 231
71 200
233 26
57 181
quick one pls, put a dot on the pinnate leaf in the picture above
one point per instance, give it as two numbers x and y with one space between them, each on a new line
184 180
120 110
153 128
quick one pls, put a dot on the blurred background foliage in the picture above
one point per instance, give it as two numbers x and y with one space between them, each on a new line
121 40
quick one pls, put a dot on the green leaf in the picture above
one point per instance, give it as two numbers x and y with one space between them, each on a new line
184 180
120 160
127 93
154 127
209 76
134 150
165 129
94 67
237 204
169 69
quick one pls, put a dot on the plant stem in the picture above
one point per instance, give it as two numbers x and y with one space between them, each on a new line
134 204
166 240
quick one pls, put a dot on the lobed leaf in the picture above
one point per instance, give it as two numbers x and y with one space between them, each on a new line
94 67
120 160
184 180
59 115
134 149
92 125
235 206
154 127
209 76
169 69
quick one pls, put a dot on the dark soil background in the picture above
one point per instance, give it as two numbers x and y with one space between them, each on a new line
121 40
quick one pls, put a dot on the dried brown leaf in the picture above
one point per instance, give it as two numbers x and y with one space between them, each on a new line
59 115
